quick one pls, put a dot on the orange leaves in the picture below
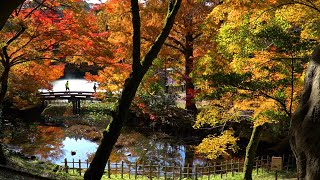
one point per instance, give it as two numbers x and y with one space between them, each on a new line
111 78
29 77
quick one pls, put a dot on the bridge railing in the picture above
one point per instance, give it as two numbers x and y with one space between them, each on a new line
67 95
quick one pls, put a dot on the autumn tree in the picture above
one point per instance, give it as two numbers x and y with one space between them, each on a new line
265 81
41 32
7 53
139 69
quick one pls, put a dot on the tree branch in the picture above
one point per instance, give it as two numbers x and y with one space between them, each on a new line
174 47
39 5
177 42
4 48
196 36
282 104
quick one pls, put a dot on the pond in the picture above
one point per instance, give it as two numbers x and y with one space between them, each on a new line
51 143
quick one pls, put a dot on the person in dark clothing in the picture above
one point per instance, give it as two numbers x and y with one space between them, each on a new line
94 87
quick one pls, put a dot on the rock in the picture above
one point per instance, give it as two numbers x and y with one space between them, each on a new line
73 153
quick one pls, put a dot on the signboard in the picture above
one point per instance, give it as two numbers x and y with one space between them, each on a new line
276 163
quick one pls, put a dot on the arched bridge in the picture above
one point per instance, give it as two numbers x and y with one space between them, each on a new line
72 96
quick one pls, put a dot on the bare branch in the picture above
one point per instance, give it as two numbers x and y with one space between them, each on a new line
196 36
175 47
177 42
39 5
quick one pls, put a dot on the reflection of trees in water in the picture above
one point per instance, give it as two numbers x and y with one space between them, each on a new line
28 139
150 150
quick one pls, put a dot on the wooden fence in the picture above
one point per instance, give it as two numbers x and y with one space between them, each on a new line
221 168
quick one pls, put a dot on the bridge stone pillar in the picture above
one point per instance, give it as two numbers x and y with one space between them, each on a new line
76 105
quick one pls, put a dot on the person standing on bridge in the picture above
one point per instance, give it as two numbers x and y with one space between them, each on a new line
67 86
94 87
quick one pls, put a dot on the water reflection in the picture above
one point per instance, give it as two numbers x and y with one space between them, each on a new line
50 143
45 142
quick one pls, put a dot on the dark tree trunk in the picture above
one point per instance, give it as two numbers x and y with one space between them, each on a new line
251 152
111 134
3 159
4 82
6 9
3 91
305 123
188 54
131 85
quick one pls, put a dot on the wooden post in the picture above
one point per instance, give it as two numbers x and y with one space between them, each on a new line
143 168
116 168
80 167
209 172
267 163
288 162
257 165
173 172
232 167
188 171
121 169
196 172
129 171
221 169
165 172
66 165
109 169
158 176
73 165
214 169
262 164
136 169
180 172
238 165
226 161
87 163
150 170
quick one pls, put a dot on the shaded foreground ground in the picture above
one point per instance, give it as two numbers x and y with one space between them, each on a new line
9 173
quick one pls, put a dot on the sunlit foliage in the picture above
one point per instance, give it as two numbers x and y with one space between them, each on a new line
215 146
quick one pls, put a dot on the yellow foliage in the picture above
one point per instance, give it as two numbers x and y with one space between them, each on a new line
213 146
216 114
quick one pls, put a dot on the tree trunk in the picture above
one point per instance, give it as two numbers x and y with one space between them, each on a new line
3 91
305 125
4 82
190 91
3 159
131 85
6 9
112 132
251 152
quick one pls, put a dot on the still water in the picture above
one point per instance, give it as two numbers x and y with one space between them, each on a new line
50 143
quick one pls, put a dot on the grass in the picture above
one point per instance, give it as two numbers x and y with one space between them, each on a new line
237 176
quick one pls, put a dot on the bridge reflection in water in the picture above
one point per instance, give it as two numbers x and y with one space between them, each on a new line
72 96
